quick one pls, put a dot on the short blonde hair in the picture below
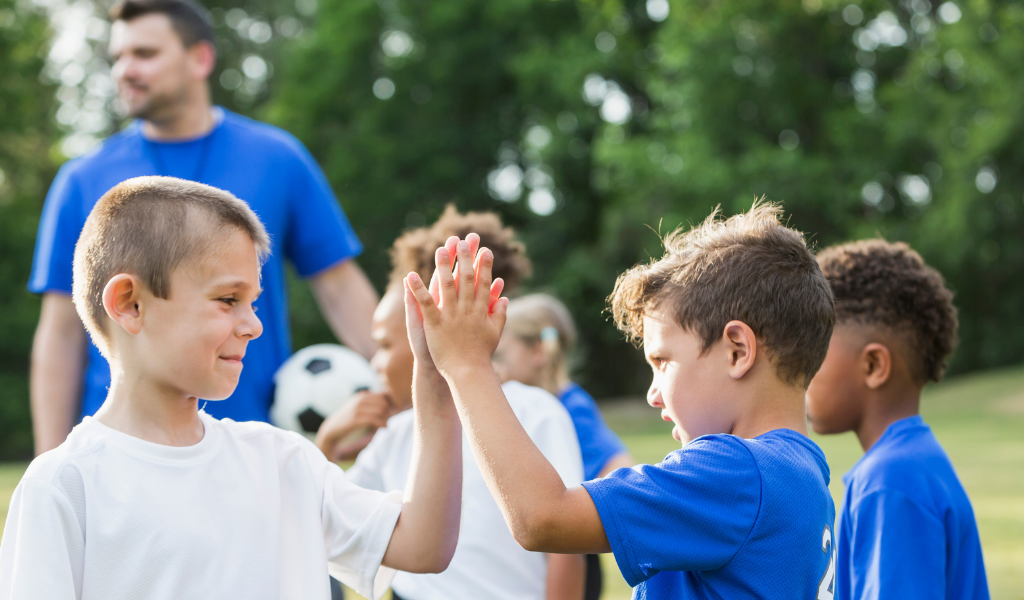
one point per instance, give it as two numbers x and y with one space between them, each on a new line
148 227
749 267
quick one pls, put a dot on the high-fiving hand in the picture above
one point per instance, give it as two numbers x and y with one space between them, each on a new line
458 320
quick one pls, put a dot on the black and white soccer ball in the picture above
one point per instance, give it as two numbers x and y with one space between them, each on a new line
315 382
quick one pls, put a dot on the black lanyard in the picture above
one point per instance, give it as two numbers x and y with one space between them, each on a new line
153 153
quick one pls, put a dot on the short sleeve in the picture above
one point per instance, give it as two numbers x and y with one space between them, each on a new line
897 550
358 524
59 227
43 548
319 234
691 512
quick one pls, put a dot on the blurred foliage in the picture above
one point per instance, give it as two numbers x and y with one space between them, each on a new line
26 168
872 118
591 126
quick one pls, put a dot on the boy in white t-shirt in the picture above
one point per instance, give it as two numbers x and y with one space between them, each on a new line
153 498
488 562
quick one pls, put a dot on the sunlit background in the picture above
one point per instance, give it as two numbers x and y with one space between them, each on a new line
592 127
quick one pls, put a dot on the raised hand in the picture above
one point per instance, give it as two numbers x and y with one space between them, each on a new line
462 320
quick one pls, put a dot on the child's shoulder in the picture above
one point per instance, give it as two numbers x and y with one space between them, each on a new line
84 440
907 459
259 434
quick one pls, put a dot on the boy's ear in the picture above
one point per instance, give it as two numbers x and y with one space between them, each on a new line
121 301
741 346
876 365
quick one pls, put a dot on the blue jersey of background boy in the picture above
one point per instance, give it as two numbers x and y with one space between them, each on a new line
258 163
724 517
598 442
907 529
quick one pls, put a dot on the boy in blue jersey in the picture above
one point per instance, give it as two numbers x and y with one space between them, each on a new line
907 529
735 319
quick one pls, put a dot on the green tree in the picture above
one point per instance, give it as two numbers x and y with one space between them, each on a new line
870 118
26 167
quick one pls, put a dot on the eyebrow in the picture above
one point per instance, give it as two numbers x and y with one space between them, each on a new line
237 285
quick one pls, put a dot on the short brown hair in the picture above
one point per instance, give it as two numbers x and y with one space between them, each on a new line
414 250
749 267
190 21
885 284
148 227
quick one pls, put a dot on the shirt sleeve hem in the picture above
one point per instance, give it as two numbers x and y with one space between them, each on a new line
622 550
372 579
312 268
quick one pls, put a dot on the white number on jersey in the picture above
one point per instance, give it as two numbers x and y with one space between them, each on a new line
826 587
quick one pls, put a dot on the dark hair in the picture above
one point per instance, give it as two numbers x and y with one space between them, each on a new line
191 21
414 250
750 268
149 226
879 283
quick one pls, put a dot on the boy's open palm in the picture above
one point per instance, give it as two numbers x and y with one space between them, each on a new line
463 319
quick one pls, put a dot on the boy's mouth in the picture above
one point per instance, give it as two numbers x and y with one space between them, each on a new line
234 358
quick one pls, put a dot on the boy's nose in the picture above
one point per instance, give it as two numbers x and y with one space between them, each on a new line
654 397
251 327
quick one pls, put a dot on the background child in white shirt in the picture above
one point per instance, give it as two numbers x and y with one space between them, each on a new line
488 562
154 499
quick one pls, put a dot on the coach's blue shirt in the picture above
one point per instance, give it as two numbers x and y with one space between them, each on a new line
598 442
724 517
258 163
907 530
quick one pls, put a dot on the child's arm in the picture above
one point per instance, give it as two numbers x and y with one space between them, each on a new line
566 577
542 514
427 531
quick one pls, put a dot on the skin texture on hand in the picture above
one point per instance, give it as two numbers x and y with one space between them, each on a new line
462 327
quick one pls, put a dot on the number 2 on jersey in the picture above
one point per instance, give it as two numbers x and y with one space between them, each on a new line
826 587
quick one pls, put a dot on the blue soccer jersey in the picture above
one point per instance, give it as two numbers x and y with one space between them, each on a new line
724 517
598 443
907 530
262 165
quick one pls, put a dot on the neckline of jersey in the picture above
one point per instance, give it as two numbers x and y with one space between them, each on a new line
179 455
894 430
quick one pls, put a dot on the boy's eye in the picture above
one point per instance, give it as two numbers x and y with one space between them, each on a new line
228 301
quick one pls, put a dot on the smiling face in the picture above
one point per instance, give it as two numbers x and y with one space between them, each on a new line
154 71
687 385
393 360
193 342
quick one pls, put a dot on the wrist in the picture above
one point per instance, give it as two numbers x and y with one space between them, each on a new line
469 370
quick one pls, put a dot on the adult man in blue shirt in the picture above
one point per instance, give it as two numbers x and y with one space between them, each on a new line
163 54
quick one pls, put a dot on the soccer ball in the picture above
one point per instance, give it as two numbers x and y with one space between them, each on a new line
315 382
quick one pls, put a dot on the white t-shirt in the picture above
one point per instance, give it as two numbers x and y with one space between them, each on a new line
488 562
250 511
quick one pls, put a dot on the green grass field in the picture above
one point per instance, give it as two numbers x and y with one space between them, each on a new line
978 418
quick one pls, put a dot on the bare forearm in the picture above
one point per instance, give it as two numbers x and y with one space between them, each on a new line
347 301
566 577
55 379
528 489
428 529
